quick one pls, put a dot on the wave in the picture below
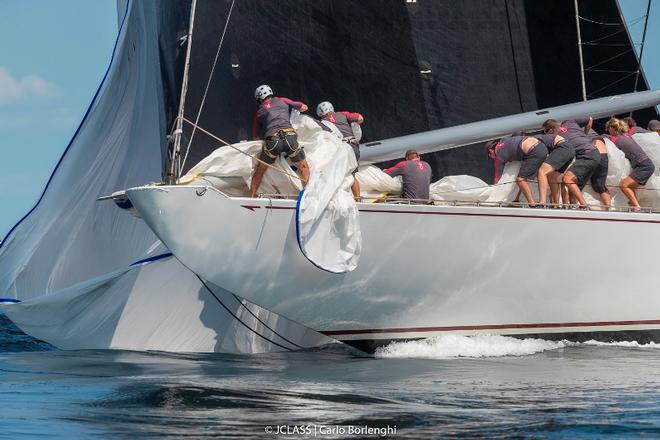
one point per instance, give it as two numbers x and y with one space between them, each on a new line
631 344
451 346
481 346
12 339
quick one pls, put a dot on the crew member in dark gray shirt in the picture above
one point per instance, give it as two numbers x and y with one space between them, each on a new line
599 177
642 167
416 176
654 125
559 158
343 120
632 126
271 123
587 157
527 149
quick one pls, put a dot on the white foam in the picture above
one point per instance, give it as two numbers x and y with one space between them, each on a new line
451 346
632 344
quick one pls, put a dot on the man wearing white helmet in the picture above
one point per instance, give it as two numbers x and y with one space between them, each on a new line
342 121
272 124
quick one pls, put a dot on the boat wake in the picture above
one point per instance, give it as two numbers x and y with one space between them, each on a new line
457 346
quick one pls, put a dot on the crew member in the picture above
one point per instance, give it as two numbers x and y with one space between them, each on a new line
272 124
654 125
632 126
587 157
599 177
642 167
342 120
530 150
416 176
560 157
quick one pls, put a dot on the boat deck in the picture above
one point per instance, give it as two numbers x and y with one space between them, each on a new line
472 203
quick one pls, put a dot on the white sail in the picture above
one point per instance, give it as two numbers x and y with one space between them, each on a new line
70 261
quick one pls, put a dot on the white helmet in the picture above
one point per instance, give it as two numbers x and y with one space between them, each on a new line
324 108
263 92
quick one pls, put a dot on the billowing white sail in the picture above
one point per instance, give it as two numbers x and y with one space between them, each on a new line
71 260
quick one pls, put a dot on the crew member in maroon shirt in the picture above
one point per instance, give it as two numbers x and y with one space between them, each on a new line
526 149
343 120
560 156
587 156
272 124
599 177
654 125
632 126
416 176
642 167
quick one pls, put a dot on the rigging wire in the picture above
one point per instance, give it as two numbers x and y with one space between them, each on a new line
598 42
610 44
610 71
611 84
625 28
588 20
208 84
609 59
641 50
594 42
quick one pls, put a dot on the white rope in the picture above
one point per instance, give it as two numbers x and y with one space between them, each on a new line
208 84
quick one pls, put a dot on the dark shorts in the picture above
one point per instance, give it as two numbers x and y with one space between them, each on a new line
282 143
560 158
642 172
599 176
533 160
584 166
355 145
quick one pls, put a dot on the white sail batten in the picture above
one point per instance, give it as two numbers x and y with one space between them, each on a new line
467 134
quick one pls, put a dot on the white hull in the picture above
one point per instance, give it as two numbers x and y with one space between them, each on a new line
424 270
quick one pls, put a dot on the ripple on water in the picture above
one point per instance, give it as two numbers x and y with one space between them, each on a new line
484 386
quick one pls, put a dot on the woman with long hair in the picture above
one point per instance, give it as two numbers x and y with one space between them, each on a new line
642 167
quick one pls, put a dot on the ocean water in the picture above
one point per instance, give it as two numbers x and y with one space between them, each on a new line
486 386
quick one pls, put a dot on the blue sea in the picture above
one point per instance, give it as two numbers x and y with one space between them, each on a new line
485 386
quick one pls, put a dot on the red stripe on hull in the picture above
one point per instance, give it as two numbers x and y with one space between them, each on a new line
489 327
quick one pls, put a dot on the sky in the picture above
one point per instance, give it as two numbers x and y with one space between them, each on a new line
53 55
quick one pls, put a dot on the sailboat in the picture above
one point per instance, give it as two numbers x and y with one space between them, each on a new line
83 274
